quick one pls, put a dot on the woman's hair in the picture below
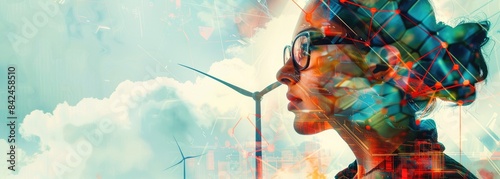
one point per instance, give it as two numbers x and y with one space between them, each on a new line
425 59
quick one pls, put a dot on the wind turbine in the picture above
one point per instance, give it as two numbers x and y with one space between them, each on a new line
257 96
183 158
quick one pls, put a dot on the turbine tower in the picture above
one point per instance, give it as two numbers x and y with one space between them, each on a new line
183 158
256 96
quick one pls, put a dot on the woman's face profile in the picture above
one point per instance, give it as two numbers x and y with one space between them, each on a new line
375 91
328 83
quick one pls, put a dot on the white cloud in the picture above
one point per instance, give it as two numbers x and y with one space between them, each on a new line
124 130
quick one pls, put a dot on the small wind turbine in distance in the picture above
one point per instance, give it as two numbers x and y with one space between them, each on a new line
257 96
183 158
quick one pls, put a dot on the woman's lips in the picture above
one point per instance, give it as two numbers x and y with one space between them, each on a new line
294 101
291 97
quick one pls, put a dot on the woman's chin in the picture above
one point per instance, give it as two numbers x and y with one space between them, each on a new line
307 123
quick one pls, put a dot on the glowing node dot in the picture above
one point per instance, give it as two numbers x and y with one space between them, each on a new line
392 118
466 82
460 102
417 122
308 17
444 44
343 1
409 64
368 127
438 85
373 10
455 67
397 11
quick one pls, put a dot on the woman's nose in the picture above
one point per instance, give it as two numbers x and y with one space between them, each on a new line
287 74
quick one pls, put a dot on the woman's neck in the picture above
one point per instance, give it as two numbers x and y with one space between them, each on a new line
369 148
375 126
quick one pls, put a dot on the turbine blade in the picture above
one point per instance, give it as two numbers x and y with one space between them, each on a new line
269 88
194 156
237 89
180 150
175 164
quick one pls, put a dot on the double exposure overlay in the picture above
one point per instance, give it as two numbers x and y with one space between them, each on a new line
372 70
